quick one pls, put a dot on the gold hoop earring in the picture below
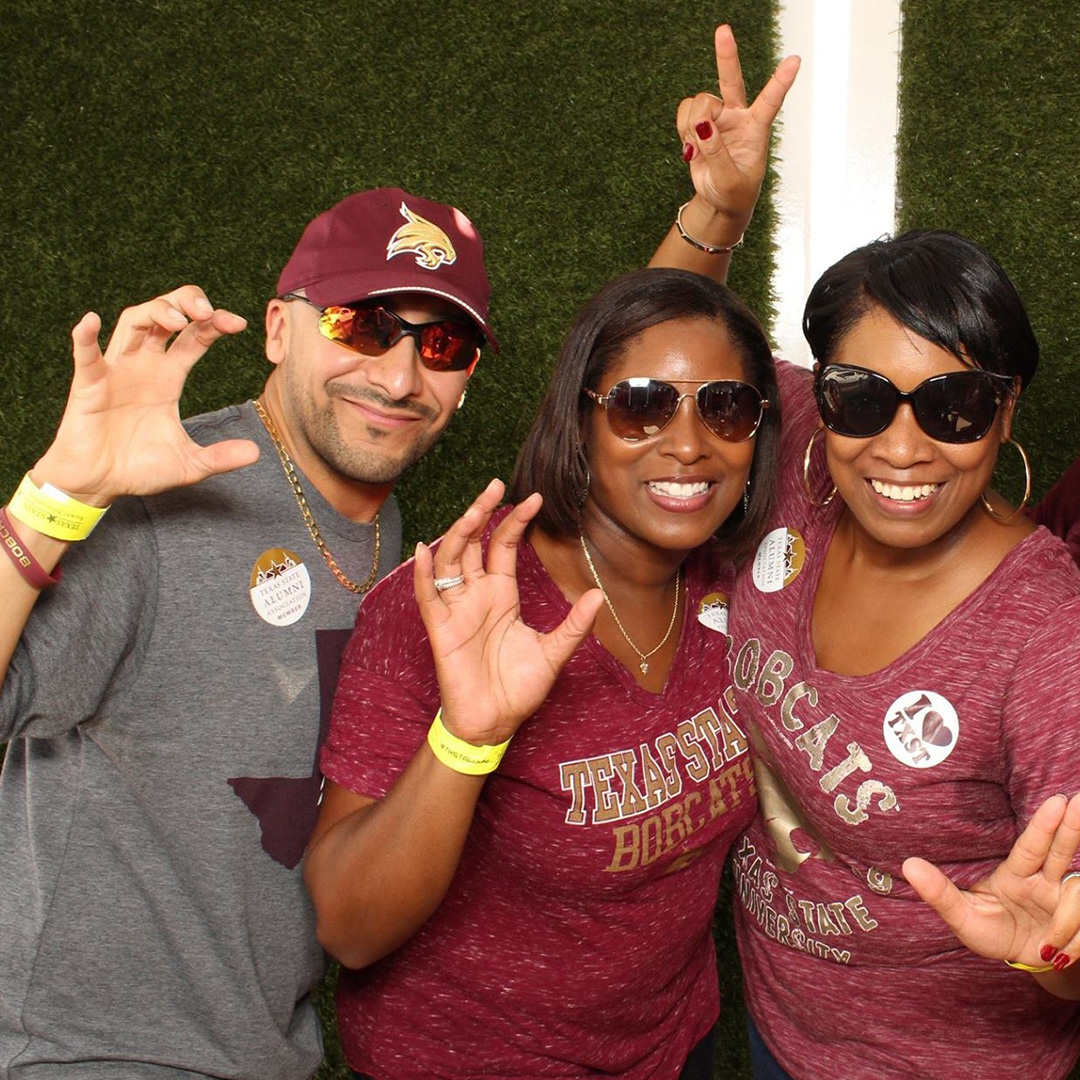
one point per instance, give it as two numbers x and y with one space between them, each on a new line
806 473
460 400
1006 518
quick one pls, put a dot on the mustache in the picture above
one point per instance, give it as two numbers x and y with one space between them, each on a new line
367 394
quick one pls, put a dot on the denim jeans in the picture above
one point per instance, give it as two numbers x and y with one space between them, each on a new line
766 1067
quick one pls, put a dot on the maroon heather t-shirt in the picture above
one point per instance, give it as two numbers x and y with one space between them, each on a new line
945 754
575 938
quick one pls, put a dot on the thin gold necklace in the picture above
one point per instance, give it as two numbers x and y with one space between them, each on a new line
309 518
644 656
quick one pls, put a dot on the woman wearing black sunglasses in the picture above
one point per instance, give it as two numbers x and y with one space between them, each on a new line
552 918
906 657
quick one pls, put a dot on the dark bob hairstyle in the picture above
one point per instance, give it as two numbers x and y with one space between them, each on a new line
945 288
552 460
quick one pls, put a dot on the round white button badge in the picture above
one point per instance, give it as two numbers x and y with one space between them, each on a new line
713 612
779 560
280 587
921 729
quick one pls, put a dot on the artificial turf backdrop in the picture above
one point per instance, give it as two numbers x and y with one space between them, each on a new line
149 144
989 143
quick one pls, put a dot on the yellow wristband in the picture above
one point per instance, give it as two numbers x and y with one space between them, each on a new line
461 756
53 513
1028 968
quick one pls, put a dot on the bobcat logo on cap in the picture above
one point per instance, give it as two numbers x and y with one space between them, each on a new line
430 245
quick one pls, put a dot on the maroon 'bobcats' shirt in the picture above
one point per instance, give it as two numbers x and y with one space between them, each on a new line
945 754
575 938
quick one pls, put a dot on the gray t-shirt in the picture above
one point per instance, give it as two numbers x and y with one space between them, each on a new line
163 711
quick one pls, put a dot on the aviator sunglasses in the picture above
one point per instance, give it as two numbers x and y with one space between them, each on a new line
371 329
640 408
955 408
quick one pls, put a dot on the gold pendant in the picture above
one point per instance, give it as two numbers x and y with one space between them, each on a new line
644 667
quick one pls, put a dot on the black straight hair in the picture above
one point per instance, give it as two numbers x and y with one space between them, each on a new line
552 459
946 288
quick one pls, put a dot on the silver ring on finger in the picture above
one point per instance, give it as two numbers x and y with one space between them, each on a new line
444 583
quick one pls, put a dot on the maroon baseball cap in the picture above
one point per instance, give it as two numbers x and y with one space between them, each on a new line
388 241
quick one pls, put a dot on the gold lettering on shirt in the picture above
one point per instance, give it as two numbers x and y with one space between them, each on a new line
724 790
771 681
787 710
574 777
813 742
641 843
856 759
827 921
633 801
879 880
667 750
744 670
678 824
657 788
631 782
768 684
601 773
697 767
857 908
735 744
856 814
806 924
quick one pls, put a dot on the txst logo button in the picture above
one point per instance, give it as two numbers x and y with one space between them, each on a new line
921 729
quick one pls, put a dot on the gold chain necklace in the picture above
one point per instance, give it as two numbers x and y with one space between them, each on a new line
644 656
309 518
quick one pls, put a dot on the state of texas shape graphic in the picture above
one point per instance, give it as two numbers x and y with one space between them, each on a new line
287 806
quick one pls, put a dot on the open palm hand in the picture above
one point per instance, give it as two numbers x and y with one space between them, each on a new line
1028 909
494 670
121 432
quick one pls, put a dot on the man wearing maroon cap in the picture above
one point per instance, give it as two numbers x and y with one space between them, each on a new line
160 779
161 703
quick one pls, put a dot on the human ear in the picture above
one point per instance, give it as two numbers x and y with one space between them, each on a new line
277 330
1008 410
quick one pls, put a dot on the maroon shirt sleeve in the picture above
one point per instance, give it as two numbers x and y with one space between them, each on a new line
387 692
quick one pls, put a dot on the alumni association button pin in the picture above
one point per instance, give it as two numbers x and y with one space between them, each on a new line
280 587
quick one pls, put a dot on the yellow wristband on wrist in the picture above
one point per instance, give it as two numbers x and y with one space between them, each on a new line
461 756
53 513
1028 967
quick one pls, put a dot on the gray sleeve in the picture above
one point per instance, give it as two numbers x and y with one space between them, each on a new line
87 635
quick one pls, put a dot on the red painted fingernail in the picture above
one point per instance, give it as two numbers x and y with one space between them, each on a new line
704 129
1048 953
1061 961
687 151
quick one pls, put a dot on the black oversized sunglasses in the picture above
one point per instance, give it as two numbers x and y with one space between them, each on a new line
371 329
958 407
641 407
